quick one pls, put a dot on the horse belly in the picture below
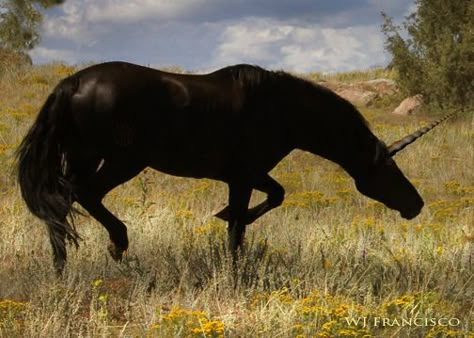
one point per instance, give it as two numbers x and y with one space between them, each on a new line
189 162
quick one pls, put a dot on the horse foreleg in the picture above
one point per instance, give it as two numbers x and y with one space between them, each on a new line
92 191
239 197
275 196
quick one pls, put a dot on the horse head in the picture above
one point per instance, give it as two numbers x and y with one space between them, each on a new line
383 181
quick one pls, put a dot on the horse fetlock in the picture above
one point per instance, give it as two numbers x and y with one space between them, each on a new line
117 246
116 252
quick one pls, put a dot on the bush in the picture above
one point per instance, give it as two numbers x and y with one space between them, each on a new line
13 59
436 58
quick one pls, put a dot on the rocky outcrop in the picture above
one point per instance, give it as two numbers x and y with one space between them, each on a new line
358 96
382 86
409 106
363 93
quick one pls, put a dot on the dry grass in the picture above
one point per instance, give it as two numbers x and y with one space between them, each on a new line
355 76
328 254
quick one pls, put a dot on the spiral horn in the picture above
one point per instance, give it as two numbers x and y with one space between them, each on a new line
395 147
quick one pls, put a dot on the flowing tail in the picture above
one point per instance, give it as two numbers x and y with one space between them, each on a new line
43 172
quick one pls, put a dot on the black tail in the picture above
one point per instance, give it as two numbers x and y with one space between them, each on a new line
43 173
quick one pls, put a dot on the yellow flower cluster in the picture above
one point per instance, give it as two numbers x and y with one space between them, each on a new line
368 224
345 193
213 227
330 313
456 188
11 311
188 323
63 70
443 210
319 314
184 214
316 315
306 199
340 178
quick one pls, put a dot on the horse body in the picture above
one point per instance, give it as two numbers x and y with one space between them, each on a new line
106 123
197 128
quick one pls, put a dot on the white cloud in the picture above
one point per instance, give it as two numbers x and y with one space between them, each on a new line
133 10
73 25
300 48
253 40
85 21
205 34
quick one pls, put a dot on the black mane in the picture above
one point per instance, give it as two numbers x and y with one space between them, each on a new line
252 78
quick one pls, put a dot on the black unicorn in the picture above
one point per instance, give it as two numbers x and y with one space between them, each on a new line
103 125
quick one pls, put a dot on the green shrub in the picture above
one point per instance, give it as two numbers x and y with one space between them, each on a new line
436 58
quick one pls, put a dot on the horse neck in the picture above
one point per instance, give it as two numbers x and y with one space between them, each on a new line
335 130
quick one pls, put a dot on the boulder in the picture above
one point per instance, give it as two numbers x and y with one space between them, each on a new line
358 96
383 86
362 93
409 106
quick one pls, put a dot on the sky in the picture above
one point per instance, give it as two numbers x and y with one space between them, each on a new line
204 35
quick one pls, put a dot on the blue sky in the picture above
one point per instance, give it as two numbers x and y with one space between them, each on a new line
202 35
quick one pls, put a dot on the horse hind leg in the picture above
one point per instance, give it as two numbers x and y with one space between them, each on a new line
91 192
78 168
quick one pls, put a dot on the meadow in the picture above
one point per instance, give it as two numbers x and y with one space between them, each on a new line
326 257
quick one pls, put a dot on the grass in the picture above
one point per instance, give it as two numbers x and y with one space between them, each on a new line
326 256
355 76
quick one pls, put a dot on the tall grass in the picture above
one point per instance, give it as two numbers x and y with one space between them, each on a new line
325 256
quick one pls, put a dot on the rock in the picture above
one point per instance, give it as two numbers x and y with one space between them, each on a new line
409 106
358 96
362 93
383 86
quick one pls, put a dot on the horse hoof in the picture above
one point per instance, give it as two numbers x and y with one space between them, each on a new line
115 252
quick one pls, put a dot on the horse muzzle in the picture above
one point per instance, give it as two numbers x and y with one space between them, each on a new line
411 213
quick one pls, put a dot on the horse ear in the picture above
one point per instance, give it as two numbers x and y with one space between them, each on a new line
375 150
381 152
178 92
